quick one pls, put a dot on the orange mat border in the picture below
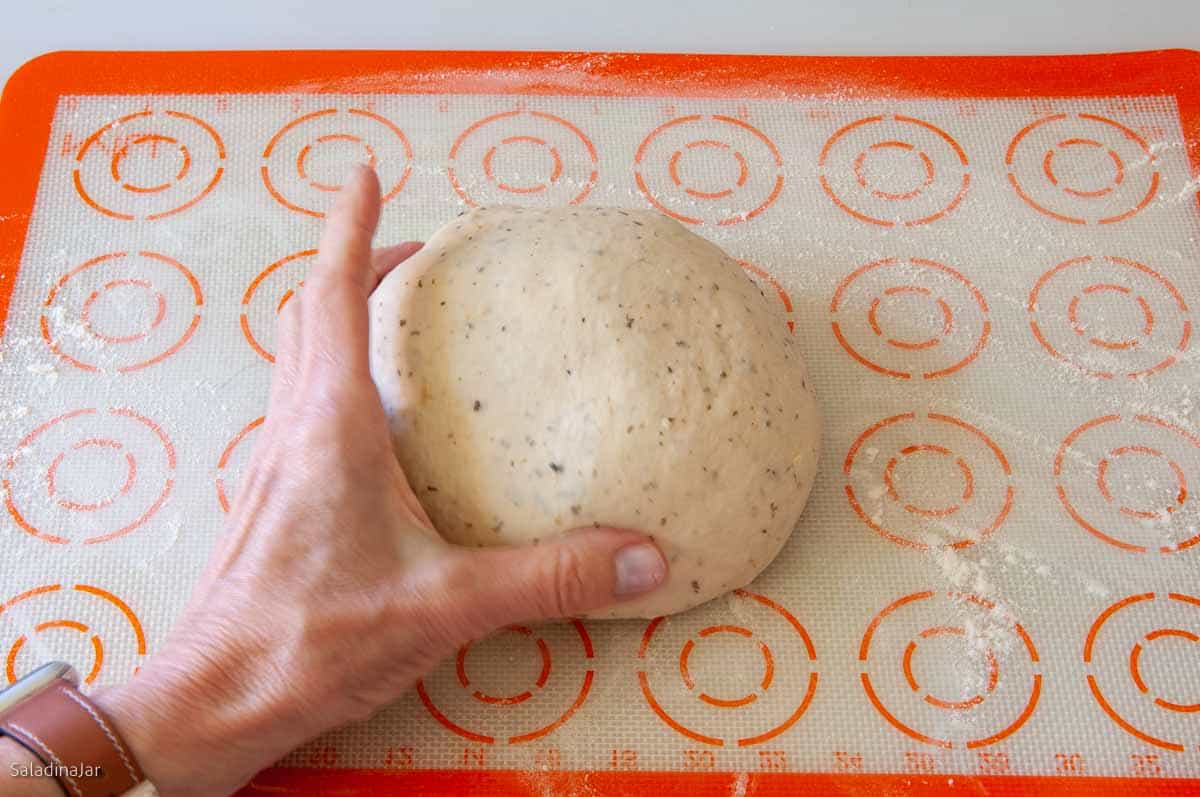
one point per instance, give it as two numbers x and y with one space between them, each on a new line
515 783
27 108
28 101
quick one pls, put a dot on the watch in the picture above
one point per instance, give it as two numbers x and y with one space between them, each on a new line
45 713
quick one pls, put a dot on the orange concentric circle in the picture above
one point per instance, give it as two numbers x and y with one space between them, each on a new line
306 161
928 481
526 685
1082 169
930 658
524 157
1139 653
1130 481
231 462
85 625
768 284
890 170
89 476
266 296
149 165
1110 317
720 682
121 312
709 170
910 318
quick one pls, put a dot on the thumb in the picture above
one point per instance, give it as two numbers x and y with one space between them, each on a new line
576 572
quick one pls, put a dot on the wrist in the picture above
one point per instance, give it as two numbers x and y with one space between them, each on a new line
193 732
169 744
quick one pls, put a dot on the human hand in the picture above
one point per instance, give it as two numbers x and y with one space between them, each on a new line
330 593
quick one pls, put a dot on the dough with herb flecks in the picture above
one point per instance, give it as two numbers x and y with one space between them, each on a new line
548 369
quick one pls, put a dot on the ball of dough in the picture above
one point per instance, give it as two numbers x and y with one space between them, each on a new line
548 369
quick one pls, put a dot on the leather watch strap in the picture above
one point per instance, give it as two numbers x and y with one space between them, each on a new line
69 734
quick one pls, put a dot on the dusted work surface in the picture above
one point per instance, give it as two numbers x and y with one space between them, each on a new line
991 265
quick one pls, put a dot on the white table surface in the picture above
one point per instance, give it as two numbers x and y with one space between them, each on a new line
880 27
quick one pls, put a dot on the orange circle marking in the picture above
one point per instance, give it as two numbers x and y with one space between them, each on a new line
888 476
1118 166
1134 670
765 682
1180 480
684 655
10 669
1101 480
110 259
964 468
784 298
944 309
743 169
864 655
120 150
861 177
858 168
556 169
1118 344
11 464
1064 145
153 140
460 666
1179 633
302 157
745 700
947 317
303 152
1125 266
873 318
1147 314
768 665
1135 665
283 300
713 144
958 705
94 639
222 496
253 287
130 475
160 310
689 682
1127 343
97 649
505 702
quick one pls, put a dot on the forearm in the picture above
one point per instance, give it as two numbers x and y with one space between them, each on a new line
18 766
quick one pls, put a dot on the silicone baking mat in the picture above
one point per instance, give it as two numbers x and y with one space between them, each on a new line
992 266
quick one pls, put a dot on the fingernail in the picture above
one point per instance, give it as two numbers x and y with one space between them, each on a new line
640 568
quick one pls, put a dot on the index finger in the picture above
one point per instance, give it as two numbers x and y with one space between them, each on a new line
335 306
345 248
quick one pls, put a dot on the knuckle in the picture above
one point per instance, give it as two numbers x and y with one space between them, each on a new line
454 580
569 585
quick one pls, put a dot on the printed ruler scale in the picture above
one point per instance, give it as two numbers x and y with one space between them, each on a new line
992 264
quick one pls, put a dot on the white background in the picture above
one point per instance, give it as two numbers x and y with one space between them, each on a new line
880 27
